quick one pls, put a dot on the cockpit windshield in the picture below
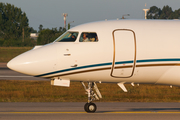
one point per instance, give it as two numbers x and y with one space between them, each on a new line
67 37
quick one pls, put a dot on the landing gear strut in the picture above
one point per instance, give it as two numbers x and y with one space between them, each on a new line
89 106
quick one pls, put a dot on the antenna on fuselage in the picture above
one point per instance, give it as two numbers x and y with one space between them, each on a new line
125 15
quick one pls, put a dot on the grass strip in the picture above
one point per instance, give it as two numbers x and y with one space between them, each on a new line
7 53
42 91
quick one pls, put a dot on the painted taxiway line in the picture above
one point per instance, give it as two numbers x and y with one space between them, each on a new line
123 112
14 76
143 112
36 112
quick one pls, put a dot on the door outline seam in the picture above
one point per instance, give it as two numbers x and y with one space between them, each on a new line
135 53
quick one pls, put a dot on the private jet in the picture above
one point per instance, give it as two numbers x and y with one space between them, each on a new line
110 51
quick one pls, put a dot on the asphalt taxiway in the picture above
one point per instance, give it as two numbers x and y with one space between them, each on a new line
75 111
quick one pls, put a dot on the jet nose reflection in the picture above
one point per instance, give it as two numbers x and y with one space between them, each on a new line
22 63
12 65
34 62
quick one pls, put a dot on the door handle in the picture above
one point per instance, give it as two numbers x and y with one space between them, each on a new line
75 65
67 54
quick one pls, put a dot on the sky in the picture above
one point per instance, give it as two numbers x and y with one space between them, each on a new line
49 12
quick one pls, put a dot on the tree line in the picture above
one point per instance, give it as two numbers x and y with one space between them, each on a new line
49 35
165 13
15 30
14 26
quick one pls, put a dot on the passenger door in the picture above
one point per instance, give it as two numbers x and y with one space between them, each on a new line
124 53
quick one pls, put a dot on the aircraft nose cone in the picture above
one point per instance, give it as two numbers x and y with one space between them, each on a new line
11 65
34 62
18 63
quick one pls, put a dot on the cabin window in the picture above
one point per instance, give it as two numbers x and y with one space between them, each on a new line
67 37
88 37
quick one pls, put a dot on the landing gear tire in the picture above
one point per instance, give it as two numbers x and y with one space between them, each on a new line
90 107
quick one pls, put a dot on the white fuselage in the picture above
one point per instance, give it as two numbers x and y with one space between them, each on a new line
138 51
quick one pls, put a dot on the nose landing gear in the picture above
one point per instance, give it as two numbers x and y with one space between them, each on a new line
89 106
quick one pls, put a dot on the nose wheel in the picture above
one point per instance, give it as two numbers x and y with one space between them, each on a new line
93 94
90 107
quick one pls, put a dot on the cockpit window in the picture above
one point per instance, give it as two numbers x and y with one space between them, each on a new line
67 37
88 37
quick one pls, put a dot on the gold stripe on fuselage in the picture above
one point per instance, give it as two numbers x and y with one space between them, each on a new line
117 67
